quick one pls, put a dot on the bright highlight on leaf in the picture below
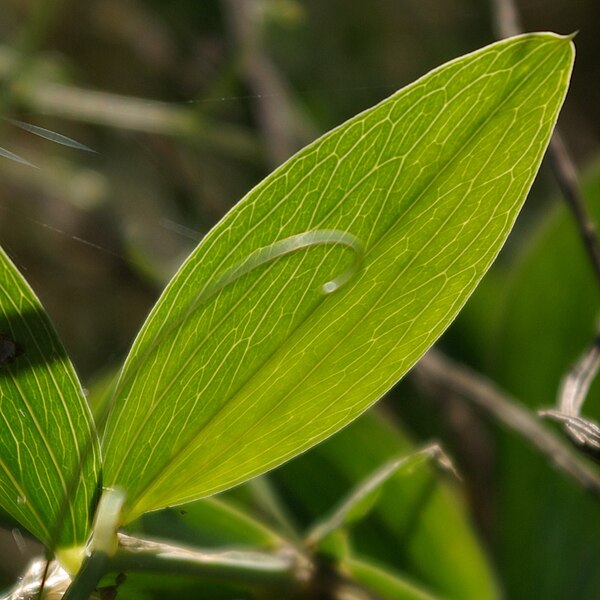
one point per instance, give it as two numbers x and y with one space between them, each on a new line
429 181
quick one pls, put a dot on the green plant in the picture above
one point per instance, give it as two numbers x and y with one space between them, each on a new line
307 302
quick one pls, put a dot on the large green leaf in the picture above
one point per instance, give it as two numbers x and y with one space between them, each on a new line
228 380
49 451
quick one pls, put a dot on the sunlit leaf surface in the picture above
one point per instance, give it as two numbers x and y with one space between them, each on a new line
49 454
222 386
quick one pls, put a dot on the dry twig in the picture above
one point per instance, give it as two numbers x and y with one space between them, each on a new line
435 368
573 391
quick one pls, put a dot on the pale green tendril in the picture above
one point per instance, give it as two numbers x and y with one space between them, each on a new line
256 259
267 254
262 256
107 521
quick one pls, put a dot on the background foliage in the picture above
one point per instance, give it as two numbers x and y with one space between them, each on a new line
187 105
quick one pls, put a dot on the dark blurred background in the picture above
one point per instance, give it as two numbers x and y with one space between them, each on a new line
187 105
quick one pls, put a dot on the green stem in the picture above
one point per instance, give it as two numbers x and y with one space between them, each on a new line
284 570
93 569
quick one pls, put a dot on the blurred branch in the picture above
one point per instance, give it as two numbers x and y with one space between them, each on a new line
125 112
506 18
507 23
267 575
566 175
439 370
283 570
284 128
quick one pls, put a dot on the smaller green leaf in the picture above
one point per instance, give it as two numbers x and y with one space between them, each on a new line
416 525
49 451
386 583
210 522
363 498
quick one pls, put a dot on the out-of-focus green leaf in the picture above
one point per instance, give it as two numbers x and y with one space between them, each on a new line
549 315
554 295
159 586
384 582
210 522
49 453
418 525
361 500
221 387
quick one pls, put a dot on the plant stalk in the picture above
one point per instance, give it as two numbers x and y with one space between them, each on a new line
284 570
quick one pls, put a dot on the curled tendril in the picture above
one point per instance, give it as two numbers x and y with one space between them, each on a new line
270 253
289 245
258 258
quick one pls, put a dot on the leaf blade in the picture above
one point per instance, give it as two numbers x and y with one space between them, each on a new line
46 431
215 394
386 582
